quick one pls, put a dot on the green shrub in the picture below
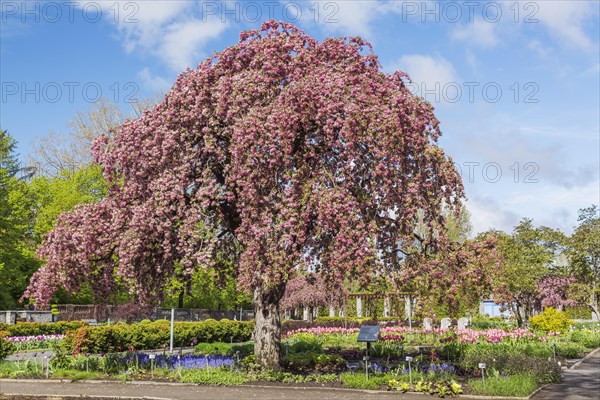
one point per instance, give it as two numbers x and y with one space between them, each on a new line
569 349
482 322
77 375
551 320
514 386
6 348
304 342
249 363
311 361
155 335
387 348
512 361
36 329
213 376
586 337
217 348
359 381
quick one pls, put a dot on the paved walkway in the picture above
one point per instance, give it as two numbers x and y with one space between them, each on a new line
579 383
193 392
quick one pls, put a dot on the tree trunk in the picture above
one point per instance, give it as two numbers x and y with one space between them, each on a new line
593 304
517 312
267 326
180 300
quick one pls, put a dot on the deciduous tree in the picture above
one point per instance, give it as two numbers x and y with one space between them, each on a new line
584 256
288 151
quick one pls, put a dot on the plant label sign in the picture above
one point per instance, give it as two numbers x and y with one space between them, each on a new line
482 365
409 359
152 356
368 333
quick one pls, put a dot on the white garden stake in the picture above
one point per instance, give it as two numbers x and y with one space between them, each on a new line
152 357
482 367
409 359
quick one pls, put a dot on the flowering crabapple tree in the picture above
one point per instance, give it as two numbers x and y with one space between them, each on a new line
311 291
455 278
285 151
555 291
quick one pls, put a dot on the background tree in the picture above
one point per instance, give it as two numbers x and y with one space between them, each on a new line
17 261
529 255
311 291
452 281
584 257
280 151
57 154
53 196
556 291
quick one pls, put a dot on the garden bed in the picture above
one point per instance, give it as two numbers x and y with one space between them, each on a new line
444 362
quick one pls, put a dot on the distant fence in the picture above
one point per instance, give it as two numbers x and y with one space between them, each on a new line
102 313
75 312
12 317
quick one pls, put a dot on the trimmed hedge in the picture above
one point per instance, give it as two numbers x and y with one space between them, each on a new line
155 335
36 329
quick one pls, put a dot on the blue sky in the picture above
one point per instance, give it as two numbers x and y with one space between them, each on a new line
515 83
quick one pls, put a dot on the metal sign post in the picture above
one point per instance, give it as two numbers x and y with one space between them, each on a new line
368 334
172 327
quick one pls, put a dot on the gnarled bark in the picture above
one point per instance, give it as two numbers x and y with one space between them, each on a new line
267 326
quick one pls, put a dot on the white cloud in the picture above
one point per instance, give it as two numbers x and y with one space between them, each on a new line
349 17
182 42
153 82
479 32
173 31
549 205
426 71
565 20
486 214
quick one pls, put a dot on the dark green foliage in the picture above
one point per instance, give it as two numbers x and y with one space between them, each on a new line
525 360
312 361
569 349
588 338
217 348
481 322
35 329
155 335
359 381
6 348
